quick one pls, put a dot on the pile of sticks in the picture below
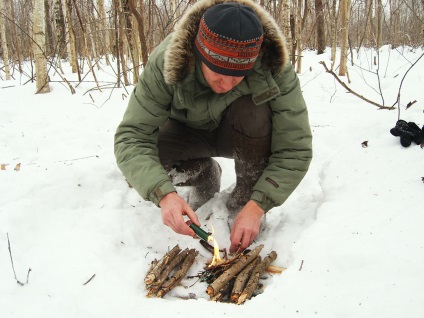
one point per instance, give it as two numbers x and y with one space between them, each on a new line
238 278
166 273
231 280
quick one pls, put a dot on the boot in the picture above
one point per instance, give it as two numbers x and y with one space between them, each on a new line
250 159
203 174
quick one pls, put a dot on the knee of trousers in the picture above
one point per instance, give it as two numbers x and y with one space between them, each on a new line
251 120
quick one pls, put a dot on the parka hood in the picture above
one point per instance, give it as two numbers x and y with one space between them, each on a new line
180 53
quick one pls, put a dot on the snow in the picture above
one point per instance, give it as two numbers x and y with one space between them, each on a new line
350 236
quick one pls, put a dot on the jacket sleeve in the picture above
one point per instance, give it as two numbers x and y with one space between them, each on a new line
136 137
291 145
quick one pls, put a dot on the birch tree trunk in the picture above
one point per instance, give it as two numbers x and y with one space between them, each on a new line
39 36
285 19
344 25
3 40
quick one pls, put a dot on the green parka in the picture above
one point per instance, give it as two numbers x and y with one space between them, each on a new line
172 86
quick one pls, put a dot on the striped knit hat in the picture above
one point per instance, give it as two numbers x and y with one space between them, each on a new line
229 39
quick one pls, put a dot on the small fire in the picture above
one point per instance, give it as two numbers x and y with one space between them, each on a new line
216 257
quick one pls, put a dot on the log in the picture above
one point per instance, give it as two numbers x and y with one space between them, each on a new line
232 271
157 283
160 265
254 277
224 291
178 275
241 280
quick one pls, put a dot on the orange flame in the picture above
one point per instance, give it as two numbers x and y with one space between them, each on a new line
216 257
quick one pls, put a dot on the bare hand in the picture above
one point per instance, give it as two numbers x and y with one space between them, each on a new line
173 209
246 227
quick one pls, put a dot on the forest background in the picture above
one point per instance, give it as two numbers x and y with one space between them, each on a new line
126 32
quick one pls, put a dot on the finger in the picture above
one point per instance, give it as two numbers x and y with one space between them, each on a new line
235 238
245 241
191 215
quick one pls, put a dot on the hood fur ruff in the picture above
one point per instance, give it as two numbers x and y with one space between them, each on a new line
180 53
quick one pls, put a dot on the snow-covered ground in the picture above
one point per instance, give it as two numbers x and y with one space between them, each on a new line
351 235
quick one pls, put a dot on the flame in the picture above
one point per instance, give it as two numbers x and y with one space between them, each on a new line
216 257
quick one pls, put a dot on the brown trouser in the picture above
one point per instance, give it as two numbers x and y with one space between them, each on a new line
178 142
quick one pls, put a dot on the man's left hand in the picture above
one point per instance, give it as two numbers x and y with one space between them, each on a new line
246 226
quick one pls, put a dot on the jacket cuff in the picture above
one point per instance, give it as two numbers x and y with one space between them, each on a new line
262 200
158 193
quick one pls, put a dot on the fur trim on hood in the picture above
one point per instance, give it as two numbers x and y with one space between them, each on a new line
180 53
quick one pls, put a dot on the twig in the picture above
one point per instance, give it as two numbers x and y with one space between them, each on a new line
11 260
89 280
351 91
253 281
301 265
401 82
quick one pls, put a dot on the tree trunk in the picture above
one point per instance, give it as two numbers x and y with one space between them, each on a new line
299 36
130 41
15 40
378 23
86 52
60 29
104 30
72 44
368 23
140 23
39 36
3 40
49 30
334 23
285 18
121 42
319 12
344 25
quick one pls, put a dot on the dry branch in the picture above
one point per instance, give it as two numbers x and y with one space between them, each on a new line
232 271
254 277
275 269
156 270
178 275
242 278
157 283
350 90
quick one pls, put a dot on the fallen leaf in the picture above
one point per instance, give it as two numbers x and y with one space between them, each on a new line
3 166
18 167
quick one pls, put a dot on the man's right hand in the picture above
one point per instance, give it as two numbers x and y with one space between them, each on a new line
173 209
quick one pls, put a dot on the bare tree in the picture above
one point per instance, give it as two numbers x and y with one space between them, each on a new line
140 23
344 25
104 30
319 13
60 29
334 23
378 23
72 43
49 29
3 40
39 47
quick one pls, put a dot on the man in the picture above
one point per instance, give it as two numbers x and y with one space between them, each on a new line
220 85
